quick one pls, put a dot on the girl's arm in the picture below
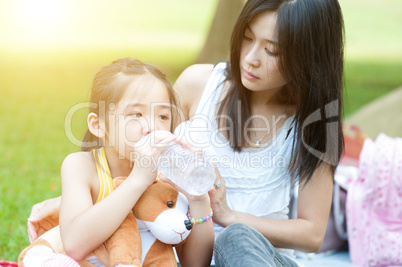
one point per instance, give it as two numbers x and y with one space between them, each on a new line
198 248
85 226
304 233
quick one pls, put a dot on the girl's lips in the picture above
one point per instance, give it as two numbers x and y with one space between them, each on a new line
249 75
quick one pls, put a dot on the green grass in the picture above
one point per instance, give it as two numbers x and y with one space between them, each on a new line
39 86
373 50
366 80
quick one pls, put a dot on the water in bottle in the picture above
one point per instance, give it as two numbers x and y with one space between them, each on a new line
187 169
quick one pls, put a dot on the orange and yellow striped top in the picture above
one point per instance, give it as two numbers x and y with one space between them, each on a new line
104 176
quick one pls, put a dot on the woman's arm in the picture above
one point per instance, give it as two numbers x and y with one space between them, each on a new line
44 216
304 233
189 87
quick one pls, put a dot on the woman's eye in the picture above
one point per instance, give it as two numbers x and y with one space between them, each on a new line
247 38
270 52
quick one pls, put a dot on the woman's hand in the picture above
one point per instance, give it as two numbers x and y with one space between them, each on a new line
44 216
223 215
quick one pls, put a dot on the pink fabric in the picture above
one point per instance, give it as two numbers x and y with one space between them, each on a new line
374 205
60 260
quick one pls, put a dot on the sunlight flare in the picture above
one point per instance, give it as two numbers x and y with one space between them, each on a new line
38 20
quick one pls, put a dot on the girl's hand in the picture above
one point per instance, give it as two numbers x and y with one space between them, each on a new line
147 151
223 215
44 216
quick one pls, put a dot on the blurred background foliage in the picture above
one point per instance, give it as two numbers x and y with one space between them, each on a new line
50 51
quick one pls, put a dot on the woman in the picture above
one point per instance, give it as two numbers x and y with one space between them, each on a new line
269 119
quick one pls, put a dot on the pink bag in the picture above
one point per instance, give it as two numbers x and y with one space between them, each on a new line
374 205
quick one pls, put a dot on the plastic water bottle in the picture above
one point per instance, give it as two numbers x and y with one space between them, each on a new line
187 169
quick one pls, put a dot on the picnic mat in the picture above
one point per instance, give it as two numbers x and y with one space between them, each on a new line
8 264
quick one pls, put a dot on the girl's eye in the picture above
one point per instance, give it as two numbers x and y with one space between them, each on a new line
136 114
163 117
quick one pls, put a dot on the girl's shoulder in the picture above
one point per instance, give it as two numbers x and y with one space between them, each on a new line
84 157
190 86
79 164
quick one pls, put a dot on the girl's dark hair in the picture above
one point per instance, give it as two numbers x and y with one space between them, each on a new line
310 56
109 86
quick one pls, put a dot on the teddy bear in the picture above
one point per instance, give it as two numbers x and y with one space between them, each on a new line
145 238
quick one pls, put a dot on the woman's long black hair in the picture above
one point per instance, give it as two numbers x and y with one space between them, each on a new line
310 54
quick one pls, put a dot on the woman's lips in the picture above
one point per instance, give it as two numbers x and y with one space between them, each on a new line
249 75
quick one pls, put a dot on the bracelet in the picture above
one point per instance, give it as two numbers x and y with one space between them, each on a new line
203 219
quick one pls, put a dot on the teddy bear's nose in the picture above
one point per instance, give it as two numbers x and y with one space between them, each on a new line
188 224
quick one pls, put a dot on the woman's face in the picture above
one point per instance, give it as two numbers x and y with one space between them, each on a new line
258 61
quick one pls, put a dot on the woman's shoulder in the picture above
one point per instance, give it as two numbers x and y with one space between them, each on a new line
194 75
190 86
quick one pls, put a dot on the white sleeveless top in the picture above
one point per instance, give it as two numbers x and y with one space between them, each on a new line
257 179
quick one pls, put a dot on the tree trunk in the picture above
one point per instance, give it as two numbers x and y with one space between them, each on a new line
216 47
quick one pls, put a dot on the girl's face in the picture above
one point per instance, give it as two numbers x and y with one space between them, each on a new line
258 61
144 107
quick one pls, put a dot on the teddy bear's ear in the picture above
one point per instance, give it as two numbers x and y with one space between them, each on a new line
95 125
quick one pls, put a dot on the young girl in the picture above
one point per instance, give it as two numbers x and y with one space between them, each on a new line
130 114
